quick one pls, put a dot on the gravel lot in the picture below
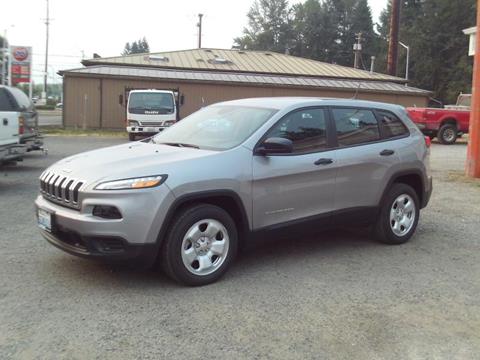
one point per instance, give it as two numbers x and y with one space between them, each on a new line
340 296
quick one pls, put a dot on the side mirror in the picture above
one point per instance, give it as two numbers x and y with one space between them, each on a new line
182 99
120 99
275 145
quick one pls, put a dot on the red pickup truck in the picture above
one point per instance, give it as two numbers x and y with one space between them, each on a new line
446 124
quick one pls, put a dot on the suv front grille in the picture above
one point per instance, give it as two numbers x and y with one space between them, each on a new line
60 189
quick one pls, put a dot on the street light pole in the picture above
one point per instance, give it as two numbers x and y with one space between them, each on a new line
408 58
45 78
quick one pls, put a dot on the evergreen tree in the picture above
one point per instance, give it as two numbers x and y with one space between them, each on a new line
269 27
137 47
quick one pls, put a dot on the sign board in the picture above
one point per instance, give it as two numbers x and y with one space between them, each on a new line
21 64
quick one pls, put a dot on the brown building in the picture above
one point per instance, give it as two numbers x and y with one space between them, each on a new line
94 96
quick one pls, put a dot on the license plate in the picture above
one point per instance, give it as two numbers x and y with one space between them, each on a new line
44 220
150 129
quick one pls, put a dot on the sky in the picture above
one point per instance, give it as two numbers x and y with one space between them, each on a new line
80 28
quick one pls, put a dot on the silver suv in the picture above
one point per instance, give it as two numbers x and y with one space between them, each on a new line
189 196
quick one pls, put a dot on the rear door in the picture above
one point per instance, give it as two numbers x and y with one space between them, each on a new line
8 118
300 185
364 159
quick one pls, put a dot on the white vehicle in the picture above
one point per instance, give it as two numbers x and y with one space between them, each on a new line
150 111
11 126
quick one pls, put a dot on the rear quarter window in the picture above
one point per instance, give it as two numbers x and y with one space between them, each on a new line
22 100
7 101
391 125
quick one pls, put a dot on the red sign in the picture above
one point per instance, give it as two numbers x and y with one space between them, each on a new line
20 64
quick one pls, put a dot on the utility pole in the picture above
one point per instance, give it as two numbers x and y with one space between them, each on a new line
393 38
357 49
4 56
199 24
472 167
45 77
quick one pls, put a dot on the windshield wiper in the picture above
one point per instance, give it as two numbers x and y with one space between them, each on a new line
180 144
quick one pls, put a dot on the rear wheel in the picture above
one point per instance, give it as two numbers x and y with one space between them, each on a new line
200 245
398 216
448 134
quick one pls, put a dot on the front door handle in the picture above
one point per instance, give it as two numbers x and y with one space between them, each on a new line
387 152
323 161
5 121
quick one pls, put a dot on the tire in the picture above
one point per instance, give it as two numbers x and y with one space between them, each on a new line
448 134
393 216
199 259
131 137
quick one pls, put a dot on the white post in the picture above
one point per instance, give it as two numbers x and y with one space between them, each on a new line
4 53
9 67
407 60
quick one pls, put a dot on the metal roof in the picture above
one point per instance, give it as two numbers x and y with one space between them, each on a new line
243 78
239 61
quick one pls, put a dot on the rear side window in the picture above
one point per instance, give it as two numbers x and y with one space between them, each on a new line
306 128
391 125
355 126
22 100
7 102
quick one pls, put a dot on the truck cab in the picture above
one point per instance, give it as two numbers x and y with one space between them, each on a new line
150 111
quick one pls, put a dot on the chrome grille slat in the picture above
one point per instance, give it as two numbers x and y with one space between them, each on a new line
60 189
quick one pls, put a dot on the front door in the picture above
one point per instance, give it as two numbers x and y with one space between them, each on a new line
300 185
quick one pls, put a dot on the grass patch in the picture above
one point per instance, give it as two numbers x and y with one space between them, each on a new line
57 131
459 176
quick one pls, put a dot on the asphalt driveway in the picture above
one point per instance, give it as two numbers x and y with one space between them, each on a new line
336 296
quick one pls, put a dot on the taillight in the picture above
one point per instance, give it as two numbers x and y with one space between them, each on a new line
21 125
428 141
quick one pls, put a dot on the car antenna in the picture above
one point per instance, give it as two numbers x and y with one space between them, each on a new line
356 91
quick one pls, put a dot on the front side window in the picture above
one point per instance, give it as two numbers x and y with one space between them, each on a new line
355 126
217 127
305 128
392 126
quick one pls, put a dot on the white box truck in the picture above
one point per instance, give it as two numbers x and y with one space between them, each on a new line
150 111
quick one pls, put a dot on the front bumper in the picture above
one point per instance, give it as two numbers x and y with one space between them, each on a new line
108 249
132 237
145 129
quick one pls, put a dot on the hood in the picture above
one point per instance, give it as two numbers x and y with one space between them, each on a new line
125 161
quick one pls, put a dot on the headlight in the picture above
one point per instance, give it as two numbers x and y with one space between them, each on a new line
132 123
133 183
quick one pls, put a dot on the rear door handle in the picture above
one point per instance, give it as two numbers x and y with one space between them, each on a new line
323 161
387 152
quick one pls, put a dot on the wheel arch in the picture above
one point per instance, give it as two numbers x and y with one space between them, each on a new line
228 200
449 120
413 178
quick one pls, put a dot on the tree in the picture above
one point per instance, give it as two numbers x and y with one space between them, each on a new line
137 47
269 27
438 48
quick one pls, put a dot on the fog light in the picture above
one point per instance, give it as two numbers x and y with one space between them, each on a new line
106 212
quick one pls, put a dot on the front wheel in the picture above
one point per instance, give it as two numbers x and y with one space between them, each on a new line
200 245
448 134
399 214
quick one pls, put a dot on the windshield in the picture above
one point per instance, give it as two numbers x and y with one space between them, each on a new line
216 127
150 103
